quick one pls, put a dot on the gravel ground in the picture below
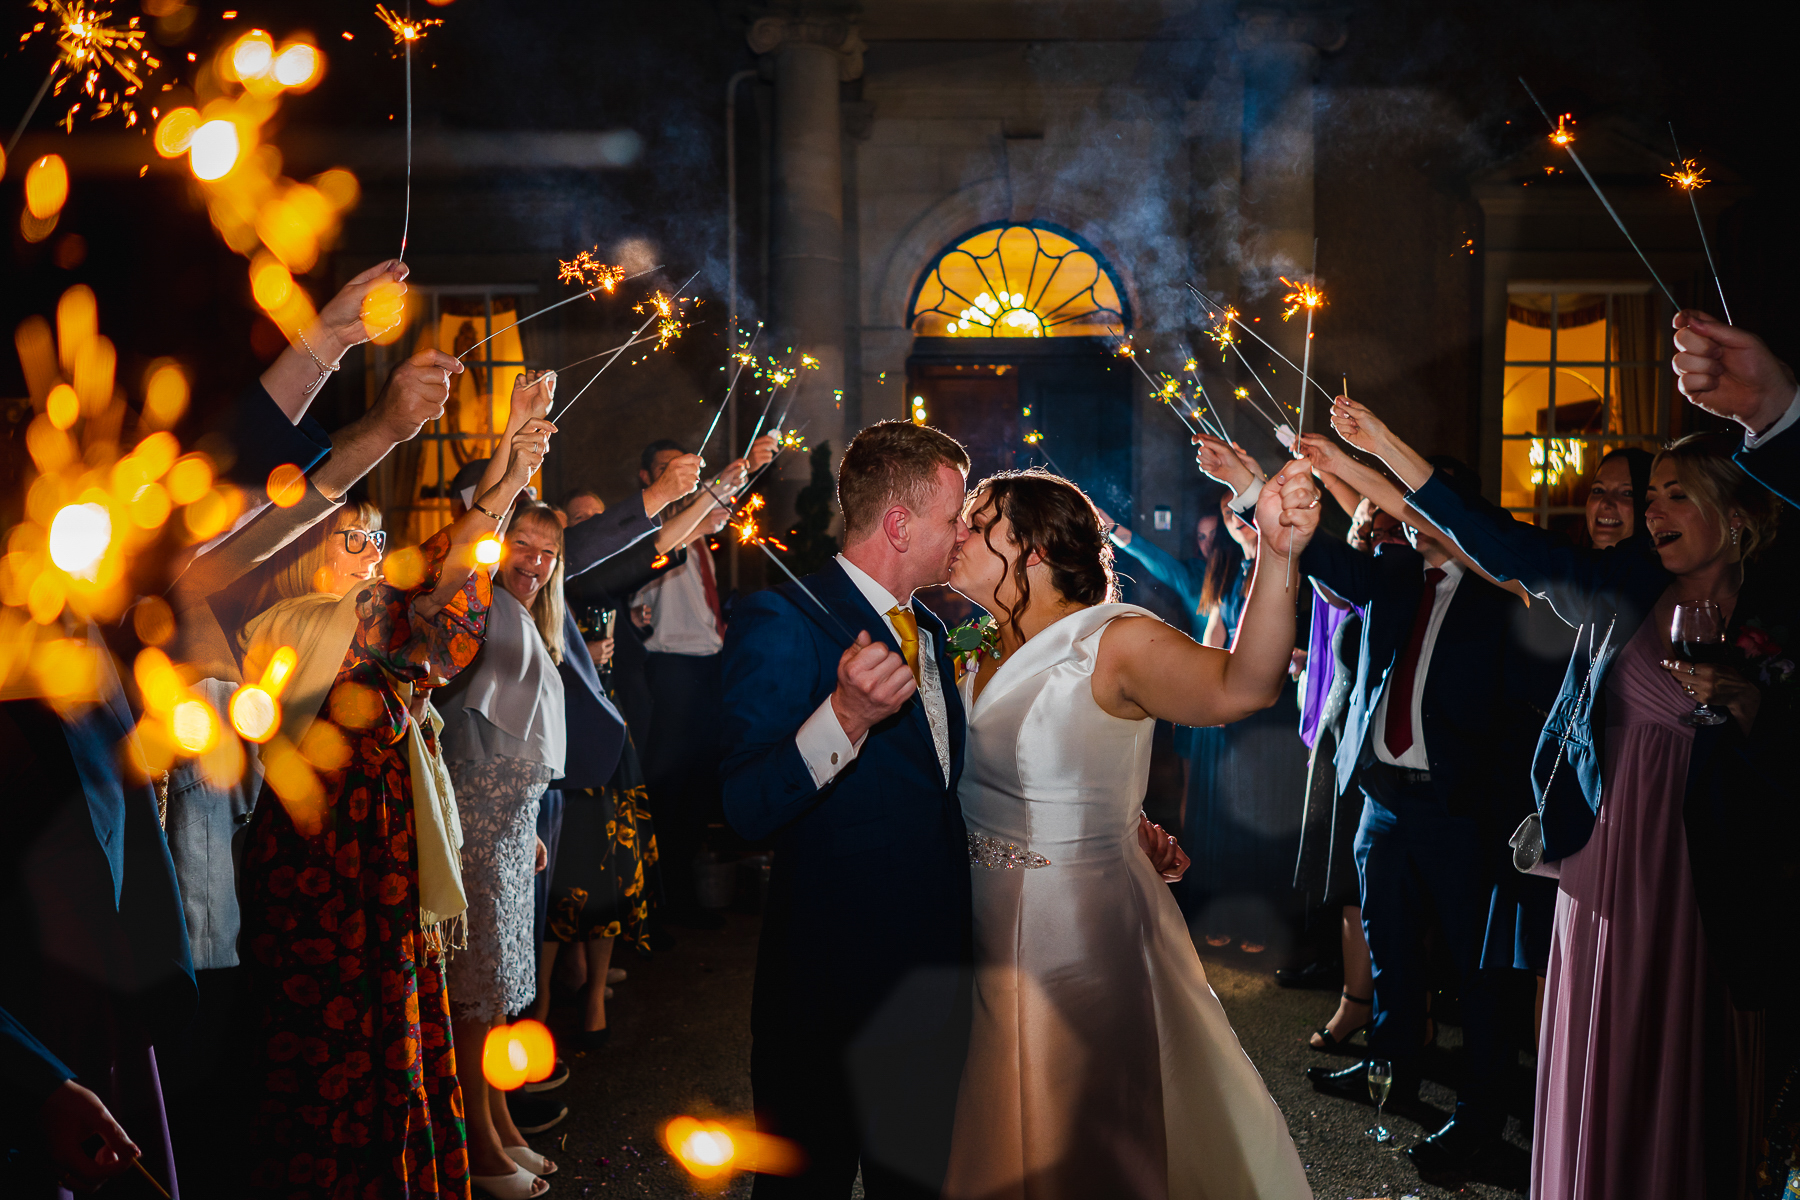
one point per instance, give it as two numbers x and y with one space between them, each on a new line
681 1044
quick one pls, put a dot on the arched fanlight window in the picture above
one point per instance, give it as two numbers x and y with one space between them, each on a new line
1018 281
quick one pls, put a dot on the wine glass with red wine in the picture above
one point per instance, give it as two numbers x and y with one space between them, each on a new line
1698 635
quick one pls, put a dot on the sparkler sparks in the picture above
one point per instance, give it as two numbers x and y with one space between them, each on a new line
667 312
587 271
1687 175
748 534
404 29
1304 296
107 62
1564 133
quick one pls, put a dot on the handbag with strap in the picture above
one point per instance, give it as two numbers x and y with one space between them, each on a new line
1527 841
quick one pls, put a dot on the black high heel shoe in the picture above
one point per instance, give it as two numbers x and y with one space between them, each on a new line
1332 1044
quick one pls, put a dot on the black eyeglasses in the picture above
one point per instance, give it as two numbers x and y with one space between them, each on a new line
356 539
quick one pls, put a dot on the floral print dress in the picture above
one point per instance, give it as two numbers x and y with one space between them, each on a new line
355 1066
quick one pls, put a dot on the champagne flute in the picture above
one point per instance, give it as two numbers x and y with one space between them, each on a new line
1697 634
1381 1078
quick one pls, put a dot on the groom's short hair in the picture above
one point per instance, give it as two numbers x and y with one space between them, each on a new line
892 461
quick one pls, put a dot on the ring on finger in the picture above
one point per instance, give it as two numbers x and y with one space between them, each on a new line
1692 671
1690 691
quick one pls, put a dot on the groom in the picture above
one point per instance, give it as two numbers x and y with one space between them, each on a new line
847 754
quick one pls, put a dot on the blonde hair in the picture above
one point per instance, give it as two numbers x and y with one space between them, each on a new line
1705 469
294 569
547 606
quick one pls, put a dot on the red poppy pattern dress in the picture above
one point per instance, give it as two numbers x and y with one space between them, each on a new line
357 1094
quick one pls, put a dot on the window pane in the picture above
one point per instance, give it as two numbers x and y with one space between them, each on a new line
1021 281
1516 488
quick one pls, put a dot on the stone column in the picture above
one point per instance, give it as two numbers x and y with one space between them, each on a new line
1278 53
809 303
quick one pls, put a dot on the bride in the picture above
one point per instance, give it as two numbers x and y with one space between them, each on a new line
1100 1062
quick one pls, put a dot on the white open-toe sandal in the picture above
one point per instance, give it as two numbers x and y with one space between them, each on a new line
530 1159
520 1185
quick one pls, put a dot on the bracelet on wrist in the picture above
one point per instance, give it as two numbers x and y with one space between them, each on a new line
325 370
493 516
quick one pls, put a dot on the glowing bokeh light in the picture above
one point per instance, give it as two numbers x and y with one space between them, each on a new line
487 551
193 726
63 406
253 55
175 132
46 186
79 536
254 713
296 65
213 150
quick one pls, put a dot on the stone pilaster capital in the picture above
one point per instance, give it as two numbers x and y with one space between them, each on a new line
1260 27
837 34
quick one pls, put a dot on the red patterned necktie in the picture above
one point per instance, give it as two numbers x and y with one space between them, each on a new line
1399 732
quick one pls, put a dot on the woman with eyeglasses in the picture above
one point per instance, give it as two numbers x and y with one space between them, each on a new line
350 869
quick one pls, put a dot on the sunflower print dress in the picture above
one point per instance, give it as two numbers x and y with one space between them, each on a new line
357 1089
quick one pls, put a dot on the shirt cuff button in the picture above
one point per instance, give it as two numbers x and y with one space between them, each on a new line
834 758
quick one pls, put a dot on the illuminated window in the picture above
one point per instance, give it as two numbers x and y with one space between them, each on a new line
1583 377
1018 281
412 484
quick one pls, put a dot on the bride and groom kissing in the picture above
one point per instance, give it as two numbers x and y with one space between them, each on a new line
972 981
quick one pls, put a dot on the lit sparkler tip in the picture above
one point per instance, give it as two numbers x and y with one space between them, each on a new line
1304 295
1190 365
1687 175
404 29
1564 133
86 46
589 272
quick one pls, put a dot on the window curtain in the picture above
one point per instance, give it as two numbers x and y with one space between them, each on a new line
1634 388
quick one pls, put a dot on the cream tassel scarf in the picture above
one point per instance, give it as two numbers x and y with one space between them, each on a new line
320 627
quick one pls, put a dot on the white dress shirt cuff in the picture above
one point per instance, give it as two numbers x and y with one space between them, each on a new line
825 746
1246 500
1753 440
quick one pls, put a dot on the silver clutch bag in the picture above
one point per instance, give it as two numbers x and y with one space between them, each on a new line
1527 844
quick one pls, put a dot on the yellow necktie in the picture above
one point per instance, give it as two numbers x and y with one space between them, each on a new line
907 626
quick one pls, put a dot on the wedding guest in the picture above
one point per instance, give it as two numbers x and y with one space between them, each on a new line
1661 832
101 968
207 820
1443 688
505 739
681 754
355 1060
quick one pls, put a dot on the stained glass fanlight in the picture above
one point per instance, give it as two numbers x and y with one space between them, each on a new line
1018 281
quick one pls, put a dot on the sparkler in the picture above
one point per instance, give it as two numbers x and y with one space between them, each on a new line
1232 316
1222 335
589 271
788 441
744 358
551 308
761 542
1562 135
1307 296
1690 177
780 376
91 50
406 31
659 310
1161 392
665 311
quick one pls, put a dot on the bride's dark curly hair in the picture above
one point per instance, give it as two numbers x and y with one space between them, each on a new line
1056 519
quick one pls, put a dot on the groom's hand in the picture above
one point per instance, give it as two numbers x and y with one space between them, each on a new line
873 682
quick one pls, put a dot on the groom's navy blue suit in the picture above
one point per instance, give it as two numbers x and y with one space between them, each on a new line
860 1017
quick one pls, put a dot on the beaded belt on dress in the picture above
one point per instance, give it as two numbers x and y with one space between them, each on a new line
985 851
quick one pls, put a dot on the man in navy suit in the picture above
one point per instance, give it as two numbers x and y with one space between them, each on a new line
1730 373
843 742
1449 690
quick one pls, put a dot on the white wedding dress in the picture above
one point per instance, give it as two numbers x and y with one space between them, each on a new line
1100 1063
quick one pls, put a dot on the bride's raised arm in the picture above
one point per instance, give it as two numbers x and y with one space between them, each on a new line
1150 669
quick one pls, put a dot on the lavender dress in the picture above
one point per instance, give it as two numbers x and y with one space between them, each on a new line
1631 1001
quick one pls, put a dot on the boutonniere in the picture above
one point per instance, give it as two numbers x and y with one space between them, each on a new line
973 641
1765 651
